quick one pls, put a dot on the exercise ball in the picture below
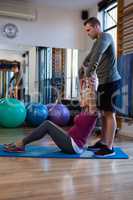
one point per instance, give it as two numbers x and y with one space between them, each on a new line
36 114
12 112
50 105
59 114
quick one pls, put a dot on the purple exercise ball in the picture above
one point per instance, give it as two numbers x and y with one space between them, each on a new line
59 114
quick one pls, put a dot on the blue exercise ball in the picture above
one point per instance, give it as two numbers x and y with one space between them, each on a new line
12 112
36 114
59 114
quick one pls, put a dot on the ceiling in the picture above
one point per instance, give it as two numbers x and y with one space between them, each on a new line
71 4
67 4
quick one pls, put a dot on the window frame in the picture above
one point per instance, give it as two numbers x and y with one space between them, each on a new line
104 13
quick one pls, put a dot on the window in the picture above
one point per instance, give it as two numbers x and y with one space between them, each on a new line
45 74
110 21
71 74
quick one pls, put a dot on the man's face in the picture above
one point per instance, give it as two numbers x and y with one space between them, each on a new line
92 31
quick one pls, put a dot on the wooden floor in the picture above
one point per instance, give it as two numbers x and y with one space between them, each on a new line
65 179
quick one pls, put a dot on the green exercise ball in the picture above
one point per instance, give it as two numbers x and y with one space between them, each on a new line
12 112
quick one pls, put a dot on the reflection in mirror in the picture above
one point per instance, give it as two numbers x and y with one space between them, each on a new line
14 71
39 74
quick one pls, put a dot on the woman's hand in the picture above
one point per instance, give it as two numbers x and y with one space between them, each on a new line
93 81
81 72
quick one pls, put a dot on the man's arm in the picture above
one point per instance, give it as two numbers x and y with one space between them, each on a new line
87 58
99 48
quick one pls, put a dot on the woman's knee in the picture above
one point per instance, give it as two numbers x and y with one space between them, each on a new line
45 123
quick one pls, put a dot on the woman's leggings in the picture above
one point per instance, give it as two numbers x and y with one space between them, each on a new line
58 135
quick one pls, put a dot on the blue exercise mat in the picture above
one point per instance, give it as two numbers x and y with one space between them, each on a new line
54 152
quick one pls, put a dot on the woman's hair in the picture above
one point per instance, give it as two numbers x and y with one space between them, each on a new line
93 21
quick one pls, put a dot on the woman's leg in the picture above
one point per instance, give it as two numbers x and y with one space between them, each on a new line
58 135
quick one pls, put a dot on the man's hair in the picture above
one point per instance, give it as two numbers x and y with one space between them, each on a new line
92 21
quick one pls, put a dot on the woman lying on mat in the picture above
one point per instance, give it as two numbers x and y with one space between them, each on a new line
70 142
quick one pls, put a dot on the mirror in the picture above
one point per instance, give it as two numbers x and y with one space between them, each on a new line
39 74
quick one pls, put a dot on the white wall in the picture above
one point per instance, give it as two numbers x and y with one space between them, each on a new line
89 42
53 28
93 12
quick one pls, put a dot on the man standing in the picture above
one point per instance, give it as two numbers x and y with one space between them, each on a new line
101 60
